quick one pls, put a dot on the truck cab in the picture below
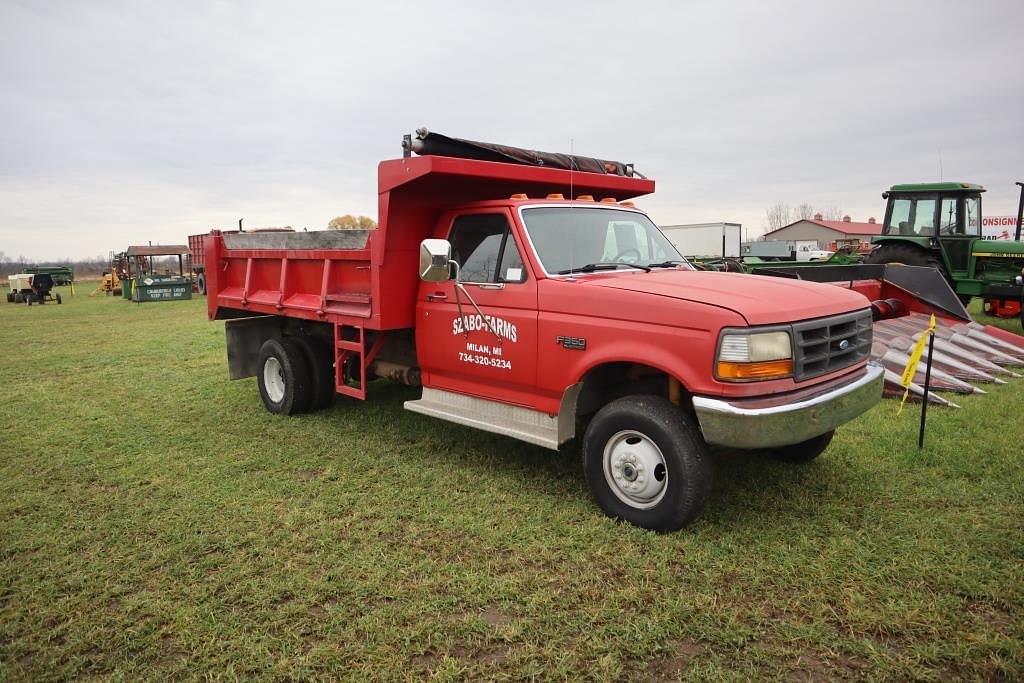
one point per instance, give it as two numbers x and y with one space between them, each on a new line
538 302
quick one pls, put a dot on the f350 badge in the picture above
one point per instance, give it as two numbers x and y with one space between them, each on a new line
572 343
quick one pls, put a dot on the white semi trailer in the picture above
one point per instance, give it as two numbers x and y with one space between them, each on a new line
705 239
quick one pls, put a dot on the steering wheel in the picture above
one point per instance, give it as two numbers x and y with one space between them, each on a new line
621 256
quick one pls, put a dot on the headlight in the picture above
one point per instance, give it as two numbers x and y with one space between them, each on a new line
754 356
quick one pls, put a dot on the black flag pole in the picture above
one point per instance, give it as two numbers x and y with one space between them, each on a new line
927 383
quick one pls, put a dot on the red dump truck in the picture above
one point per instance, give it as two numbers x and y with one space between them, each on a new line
528 298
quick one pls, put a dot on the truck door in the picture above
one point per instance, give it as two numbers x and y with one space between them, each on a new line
493 355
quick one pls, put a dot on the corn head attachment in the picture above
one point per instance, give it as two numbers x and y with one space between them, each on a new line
902 300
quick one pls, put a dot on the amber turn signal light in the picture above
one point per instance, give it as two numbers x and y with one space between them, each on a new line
766 369
556 195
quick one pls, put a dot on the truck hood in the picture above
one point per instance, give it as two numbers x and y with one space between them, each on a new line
759 299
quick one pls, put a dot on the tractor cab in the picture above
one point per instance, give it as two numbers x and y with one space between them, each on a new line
942 219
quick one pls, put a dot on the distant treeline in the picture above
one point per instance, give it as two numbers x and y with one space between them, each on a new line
84 268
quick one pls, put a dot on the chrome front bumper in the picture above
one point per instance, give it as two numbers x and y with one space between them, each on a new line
782 420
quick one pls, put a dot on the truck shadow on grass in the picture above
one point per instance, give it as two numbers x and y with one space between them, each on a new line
748 486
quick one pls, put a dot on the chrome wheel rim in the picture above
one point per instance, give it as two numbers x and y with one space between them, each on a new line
273 379
635 469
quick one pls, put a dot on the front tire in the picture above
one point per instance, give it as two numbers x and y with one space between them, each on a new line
646 462
805 451
202 283
283 377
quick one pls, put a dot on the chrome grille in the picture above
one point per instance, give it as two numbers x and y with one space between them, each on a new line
828 344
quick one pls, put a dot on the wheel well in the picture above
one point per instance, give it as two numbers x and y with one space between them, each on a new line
607 382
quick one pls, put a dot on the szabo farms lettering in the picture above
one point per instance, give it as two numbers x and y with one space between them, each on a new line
504 328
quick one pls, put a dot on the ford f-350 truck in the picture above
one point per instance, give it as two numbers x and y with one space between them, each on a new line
528 297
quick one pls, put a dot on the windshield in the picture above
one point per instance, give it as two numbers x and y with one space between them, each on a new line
569 238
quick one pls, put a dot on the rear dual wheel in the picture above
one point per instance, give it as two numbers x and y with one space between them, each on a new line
283 377
295 375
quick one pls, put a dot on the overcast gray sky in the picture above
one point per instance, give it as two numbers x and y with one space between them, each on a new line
123 122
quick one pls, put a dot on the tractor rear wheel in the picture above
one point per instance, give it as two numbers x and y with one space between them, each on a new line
910 255
906 254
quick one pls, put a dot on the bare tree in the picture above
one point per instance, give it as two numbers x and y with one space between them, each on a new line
778 216
833 213
803 212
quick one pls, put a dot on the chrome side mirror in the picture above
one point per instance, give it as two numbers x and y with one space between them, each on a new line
434 258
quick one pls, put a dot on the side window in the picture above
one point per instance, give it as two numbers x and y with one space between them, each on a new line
972 214
899 221
924 218
948 224
485 250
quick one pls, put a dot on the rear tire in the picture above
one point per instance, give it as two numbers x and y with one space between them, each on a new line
283 377
29 298
906 254
646 462
909 255
10 297
321 368
201 282
58 299
19 298
805 451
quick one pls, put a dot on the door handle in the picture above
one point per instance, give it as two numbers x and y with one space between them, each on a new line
492 285
437 296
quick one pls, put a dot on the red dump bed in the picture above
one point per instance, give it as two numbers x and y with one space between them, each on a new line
368 278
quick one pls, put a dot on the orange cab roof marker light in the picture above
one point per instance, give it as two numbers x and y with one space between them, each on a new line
556 195
585 198
608 200
519 195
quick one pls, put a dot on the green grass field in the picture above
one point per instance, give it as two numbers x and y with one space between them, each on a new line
156 522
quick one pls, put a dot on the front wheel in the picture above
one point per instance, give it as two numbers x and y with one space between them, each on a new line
646 462
805 451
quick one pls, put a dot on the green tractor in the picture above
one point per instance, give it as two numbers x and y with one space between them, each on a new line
939 225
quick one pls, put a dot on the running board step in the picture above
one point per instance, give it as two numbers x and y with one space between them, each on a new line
520 423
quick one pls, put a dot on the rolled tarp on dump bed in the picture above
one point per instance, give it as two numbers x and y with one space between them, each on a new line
426 143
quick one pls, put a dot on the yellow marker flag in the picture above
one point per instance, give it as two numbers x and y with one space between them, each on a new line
915 358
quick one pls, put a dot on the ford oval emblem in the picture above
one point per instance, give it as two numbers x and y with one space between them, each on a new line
845 344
